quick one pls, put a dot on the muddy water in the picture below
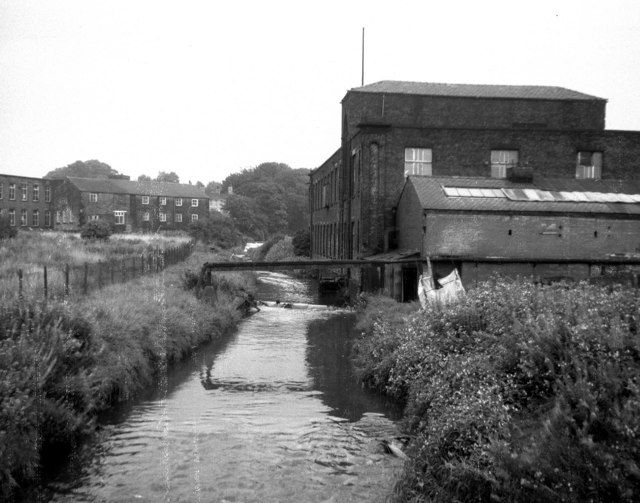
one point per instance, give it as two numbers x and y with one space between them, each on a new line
272 415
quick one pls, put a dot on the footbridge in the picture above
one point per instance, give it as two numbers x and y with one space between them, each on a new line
288 265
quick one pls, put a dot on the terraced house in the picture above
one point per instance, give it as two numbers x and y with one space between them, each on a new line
128 205
27 202
522 149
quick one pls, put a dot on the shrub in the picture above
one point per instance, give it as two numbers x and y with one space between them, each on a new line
6 229
302 243
96 229
516 393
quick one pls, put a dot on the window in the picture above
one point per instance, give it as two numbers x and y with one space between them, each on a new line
47 218
589 165
94 218
12 192
417 161
145 216
12 218
194 203
47 193
23 192
35 218
178 217
163 217
23 218
194 218
119 216
501 160
178 201
163 201
93 197
36 193
145 199
1 186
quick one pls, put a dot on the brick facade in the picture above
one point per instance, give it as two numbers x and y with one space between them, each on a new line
27 201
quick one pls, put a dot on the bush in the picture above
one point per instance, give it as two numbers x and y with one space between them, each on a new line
516 393
6 230
302 243
96 229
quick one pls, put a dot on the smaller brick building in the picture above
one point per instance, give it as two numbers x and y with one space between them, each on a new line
27 202
128 205
542 227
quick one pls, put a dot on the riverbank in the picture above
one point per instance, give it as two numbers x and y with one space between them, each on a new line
63 362
517 393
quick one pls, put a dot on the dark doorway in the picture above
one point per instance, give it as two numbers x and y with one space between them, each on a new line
409 284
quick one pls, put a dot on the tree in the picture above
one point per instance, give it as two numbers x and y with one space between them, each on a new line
302 243
168 177
144 178
199 184
278 191
84 169
247 216
213 188
216 228
97 229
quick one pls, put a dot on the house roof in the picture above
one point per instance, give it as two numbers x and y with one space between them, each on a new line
555 195
474 90
146 188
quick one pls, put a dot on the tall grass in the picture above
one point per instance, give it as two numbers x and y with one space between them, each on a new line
61 363
517 393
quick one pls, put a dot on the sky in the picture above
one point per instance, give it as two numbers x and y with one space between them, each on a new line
207 88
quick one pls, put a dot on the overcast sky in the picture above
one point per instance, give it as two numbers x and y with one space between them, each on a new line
207 88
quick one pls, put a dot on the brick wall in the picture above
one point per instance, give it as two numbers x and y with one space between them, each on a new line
529 236
447 112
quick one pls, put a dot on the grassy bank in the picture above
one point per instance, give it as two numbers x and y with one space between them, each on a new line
62 363
518 393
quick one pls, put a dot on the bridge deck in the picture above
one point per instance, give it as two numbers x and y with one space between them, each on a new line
301 264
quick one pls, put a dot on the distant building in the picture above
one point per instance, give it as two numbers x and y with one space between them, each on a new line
127 205
393 130
27 202
217 199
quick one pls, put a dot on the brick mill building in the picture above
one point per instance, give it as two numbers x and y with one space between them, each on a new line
26 202
429 138
128 205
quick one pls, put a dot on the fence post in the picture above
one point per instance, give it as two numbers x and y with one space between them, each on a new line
111 270
99 274
124 270
20 283
46 284
85 279
66 280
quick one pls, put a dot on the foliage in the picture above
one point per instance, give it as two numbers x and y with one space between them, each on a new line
6 230
281 250
216 228
96 229
62 363
260 254
171 177
84 169
279 194
213 188
302 243
246 216
144 178
517 393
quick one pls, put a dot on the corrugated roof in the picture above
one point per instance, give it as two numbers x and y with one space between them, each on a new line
146 188
474 90
432 196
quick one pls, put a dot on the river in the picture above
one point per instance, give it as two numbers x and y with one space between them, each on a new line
272 414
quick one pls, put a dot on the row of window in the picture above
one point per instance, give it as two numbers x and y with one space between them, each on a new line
93 198
419 161
24 217
23 190
120 217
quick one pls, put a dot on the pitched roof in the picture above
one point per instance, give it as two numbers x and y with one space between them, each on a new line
146 188
432 196
474 90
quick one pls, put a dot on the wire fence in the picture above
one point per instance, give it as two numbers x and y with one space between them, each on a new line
52 282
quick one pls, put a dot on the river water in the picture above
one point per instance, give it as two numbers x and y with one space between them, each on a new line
273 414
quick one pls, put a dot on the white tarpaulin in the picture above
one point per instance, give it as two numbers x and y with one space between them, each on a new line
451 289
